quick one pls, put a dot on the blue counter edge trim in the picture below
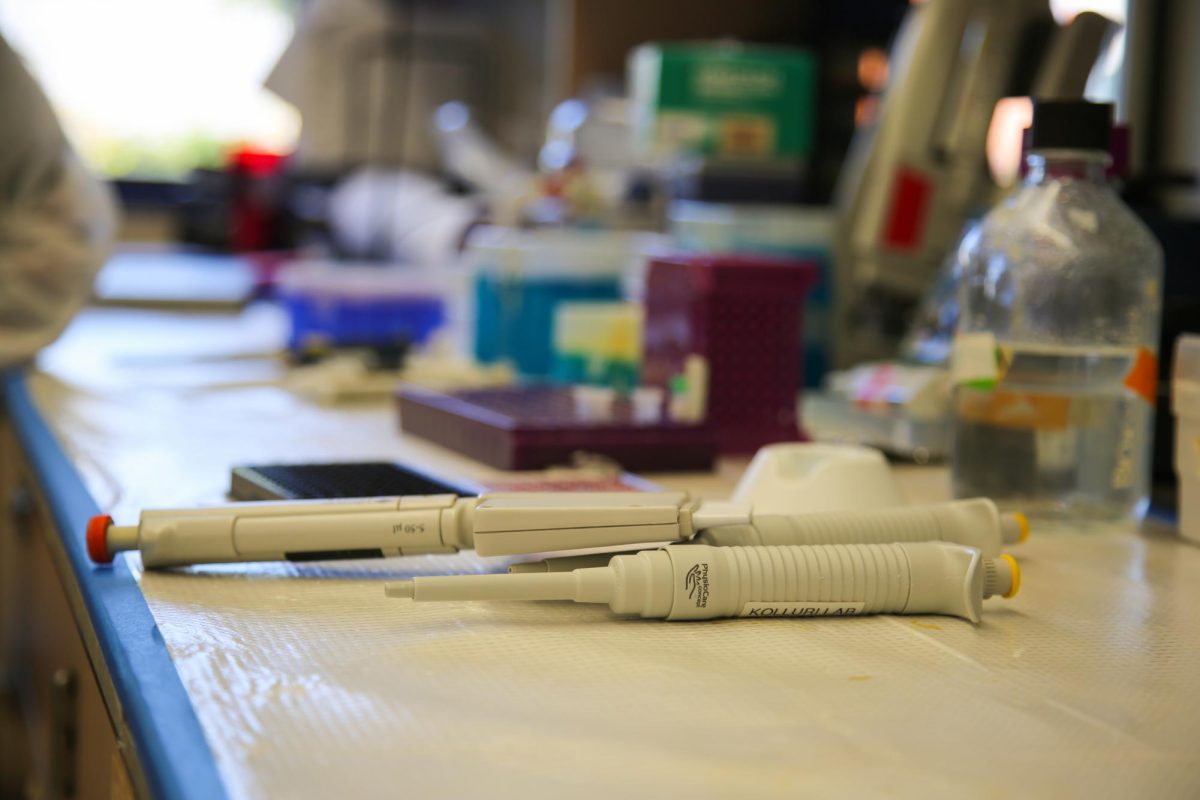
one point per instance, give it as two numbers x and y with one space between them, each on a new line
171 749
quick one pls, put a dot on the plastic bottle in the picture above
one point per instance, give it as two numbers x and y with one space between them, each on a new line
1054 359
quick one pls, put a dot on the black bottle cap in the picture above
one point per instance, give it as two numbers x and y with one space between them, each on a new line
1071 125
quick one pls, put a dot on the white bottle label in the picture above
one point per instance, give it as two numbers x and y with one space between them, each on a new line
801 609
973 360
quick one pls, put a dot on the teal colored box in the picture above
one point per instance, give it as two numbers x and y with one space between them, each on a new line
515 316
522 276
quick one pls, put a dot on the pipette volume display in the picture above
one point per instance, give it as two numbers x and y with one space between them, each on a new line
692 582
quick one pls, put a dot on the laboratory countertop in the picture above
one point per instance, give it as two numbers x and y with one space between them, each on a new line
303 680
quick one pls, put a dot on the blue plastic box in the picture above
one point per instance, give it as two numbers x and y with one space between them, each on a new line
341 305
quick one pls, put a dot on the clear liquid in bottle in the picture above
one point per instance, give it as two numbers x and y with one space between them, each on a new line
1060 436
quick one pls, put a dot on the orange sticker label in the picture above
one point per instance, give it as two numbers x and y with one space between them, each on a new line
1142 378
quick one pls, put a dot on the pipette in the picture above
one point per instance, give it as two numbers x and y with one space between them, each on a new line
500 523
690 582
975 523
511 523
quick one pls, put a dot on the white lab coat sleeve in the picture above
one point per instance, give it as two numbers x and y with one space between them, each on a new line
57 222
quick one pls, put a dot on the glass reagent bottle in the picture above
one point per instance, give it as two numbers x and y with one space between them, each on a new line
1055 354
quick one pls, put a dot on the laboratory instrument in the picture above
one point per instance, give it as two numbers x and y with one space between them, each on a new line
919 165
1054 361
499 523
509 523
692 582
974 523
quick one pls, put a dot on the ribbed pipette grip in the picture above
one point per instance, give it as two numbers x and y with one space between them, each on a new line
875 575
824 580
869 527
971 522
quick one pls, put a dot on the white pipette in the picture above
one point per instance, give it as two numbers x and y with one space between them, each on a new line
499 523
691 582
975 523
510 523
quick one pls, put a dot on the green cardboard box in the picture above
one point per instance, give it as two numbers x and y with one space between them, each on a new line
724 100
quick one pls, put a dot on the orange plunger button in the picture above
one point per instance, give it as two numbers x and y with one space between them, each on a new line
97 539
